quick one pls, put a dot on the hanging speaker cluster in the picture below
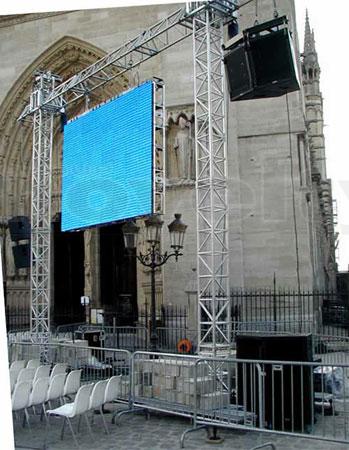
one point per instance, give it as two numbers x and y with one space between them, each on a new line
260 62
19 227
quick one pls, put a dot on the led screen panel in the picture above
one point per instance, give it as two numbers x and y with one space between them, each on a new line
107 162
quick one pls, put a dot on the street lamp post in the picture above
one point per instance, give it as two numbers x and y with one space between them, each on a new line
154 258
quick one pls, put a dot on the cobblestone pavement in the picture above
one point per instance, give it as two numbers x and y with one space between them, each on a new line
135 432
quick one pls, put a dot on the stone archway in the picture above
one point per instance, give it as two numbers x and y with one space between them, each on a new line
66 57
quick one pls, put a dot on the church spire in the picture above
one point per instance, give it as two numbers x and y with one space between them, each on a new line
313 102
308 41
310 59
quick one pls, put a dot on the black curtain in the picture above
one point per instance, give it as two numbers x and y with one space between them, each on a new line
118 278
68 275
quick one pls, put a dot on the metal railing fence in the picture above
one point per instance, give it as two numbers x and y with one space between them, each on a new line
268 310
308 399
288 326
132 338
163 382
278 304
297 398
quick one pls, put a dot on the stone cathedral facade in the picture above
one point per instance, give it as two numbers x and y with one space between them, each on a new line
280 200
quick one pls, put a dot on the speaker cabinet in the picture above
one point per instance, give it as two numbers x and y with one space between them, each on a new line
260 62
21 255
19 228
288 388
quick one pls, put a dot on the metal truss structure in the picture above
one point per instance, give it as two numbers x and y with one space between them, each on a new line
203 20
159 131
164 34
211 185
41 206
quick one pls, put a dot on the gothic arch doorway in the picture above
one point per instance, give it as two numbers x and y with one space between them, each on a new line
66 57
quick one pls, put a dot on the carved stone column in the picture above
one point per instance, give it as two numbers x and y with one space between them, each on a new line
91 246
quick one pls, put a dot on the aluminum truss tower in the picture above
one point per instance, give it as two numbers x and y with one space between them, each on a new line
211 185
203 20
41 205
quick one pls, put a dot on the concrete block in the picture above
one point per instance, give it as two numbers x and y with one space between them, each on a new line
138 390
147 391
204 385
170 382
188 370
214 400
146 378
158 391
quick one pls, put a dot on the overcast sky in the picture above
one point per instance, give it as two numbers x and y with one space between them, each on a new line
329 21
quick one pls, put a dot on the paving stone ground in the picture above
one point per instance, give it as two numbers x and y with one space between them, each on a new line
135 432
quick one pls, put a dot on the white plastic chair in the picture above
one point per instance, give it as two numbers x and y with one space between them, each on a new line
20 398
33 364
13 377
58 369
70 410
26 375
72 382
113 389
42 372
97 400
56 388
39 393
17 365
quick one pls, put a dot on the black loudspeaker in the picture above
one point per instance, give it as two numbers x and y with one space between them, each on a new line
261 63
19 228
21 255
288 388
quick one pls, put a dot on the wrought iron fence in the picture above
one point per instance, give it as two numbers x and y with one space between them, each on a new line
290 311
170 339
255 310
17 319
277 305
175 316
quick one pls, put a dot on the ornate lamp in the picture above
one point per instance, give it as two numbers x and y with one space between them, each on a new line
154 258
130 232
177 231
153 227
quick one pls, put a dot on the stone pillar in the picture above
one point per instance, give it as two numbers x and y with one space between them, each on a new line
92 289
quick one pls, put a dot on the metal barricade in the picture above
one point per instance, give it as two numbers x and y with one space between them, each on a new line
305 399
127 337
163 382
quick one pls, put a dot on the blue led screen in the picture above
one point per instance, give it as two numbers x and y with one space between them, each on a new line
107 162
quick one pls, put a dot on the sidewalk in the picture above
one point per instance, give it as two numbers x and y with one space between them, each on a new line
135 432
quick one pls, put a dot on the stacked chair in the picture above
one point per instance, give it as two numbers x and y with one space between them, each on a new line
35 386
